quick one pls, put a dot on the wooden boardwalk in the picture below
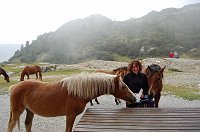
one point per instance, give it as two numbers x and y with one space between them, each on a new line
140 120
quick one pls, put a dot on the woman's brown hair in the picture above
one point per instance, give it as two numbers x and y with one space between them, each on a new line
134 62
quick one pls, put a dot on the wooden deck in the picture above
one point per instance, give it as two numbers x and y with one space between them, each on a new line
140 120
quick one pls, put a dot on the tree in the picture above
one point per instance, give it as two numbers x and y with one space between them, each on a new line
27 43
22 47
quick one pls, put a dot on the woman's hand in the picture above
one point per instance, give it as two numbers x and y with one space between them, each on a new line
142 96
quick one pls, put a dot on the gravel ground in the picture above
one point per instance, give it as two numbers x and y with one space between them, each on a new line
57 124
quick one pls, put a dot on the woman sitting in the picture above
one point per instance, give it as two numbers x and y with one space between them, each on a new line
137 82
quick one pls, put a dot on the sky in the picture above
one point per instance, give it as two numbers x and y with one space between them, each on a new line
24 20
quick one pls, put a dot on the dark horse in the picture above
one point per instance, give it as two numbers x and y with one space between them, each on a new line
67 97
118 71
3 72
31 70
154 75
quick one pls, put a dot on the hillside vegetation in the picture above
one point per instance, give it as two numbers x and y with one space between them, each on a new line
98 37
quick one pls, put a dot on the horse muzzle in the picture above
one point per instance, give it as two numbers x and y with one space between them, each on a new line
131 99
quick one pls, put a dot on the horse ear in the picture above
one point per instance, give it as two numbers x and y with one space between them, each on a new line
117 78
149 68
161 70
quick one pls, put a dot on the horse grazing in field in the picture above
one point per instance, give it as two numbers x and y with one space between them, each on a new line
31 70
67 97
3 72
118 71
154 75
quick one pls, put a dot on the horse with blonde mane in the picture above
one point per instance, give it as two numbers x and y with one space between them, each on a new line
31 70
67 97
3 72
118 71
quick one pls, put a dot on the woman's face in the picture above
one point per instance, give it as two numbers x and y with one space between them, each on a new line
135 68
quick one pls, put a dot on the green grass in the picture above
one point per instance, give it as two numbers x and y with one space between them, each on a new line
53 76
181 92
62 72
4 86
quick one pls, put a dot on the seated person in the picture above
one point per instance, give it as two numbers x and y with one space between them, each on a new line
137 82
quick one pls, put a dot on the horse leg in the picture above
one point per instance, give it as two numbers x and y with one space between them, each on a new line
27 77
157 98
116 101
36 75
91 103
70 122
14 117
96 100
40 76
28 120
119 100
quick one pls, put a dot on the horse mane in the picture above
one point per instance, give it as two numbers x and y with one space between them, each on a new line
89 85
155 67
121 68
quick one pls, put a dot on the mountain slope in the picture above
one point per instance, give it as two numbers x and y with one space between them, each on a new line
98 37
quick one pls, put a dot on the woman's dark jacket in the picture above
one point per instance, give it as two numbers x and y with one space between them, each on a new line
136 82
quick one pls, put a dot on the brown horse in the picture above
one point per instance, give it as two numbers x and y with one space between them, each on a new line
64 98
154 75
31 70
118 71
3 72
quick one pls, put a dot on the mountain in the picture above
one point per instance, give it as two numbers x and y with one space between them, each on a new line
7 51
98 37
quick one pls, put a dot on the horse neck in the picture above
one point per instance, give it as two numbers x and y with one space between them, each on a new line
4 73
23 74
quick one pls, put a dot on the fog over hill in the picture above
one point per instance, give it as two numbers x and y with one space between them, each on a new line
7 51
98 37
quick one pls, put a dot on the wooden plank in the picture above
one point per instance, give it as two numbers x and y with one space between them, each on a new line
140 119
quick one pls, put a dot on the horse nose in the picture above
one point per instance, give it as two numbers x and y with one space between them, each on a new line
132 99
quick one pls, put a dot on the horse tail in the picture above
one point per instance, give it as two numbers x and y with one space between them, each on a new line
11 116
39 69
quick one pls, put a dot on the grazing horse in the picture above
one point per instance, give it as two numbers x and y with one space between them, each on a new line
118 71
31 70
67 97
3 72
154 75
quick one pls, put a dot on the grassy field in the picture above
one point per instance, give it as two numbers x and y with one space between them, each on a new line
54 76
